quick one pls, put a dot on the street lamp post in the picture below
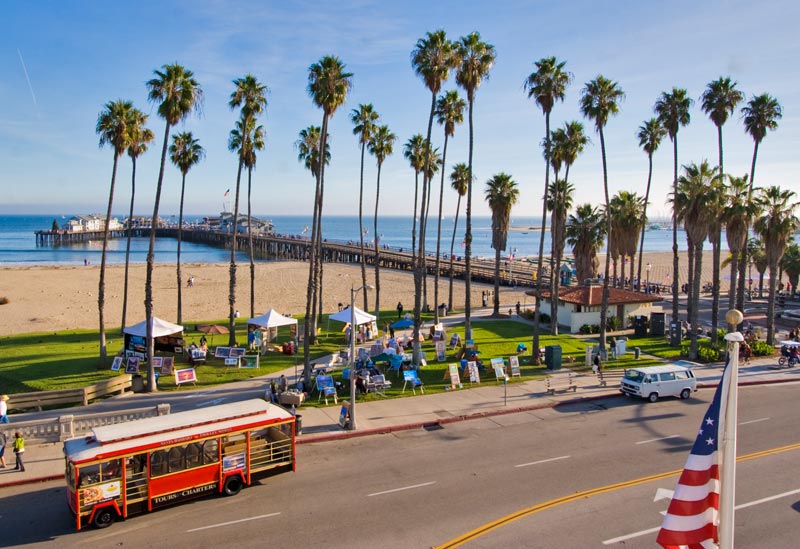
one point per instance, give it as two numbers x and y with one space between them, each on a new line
353 292
647 285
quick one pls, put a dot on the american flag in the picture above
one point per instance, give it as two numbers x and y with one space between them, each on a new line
692 519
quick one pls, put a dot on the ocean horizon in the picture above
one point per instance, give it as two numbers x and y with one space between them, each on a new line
18 241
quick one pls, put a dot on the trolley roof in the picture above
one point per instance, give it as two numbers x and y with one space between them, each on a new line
155 431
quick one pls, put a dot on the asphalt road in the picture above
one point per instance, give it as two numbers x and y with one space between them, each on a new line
426 488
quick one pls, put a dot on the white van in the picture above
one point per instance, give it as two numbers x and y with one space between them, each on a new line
658 381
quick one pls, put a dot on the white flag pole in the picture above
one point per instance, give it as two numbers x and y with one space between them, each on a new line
728 442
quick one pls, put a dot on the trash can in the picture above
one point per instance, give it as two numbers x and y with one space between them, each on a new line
640 326
637 352
552 357
137 383
675 334
298 424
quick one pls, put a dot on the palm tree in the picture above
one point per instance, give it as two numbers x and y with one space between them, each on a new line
184 152
650 134
364 120
760 114
599 100
718 101
449 112
546 85
697 187
586 231
475 61
459 179
567 149
790 264
177 93
501 194
381 145
559 202
328 85
140 137
672 110
113 127
414 152
775 226
738 213
432 58
250 95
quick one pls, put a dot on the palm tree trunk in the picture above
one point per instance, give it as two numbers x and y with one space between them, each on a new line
180 237
716 256
604 306
745 259
361 227
690 253
468 238
128 245
646 202
773 283
101 291
694 299
452 246
250 243
377 249
420 263
312 279
734 279
148 284
232 269
675 293
439 236
496 300
540 263
414 226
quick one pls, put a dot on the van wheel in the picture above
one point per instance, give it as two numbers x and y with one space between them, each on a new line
104 518
232 485
653 397
686 393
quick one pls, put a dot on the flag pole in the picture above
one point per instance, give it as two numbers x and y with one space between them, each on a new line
728 442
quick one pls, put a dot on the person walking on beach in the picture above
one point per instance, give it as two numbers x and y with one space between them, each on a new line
4 409
399 309
19 449
3 442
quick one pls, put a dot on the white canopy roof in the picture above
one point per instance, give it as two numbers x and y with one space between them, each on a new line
160 328
361 316
272 319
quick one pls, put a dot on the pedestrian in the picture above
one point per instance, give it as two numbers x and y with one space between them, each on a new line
19 449
236 314
597 363
4 409
3 441
399 309
519 308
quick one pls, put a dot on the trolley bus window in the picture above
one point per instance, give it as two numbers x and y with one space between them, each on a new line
194 455
176 462
90 474
158 463
112 470
210 451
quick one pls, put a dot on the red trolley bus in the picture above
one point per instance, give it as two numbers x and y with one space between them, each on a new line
128 468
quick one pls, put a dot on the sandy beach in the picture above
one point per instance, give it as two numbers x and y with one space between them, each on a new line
47 298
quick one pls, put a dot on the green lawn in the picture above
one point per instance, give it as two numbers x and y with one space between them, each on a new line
61 360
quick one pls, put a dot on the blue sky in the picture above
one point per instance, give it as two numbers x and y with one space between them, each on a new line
61 61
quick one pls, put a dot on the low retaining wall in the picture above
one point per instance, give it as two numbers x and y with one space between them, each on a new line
82 395
59 429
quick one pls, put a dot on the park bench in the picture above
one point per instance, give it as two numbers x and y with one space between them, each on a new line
613 376
552 385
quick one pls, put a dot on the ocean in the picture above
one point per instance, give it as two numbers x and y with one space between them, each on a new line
18 241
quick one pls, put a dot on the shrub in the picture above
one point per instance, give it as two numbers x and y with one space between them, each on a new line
708 353
762 348
589 329
613 324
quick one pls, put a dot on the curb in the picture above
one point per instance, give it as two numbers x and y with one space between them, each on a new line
31 481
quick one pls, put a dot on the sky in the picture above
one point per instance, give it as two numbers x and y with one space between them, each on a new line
62 61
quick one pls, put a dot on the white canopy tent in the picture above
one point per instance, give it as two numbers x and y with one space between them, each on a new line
272 319
161 328
360 316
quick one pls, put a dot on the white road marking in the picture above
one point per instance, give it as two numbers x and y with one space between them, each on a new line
755 421
741 506
210 403
657 439
542 461
401 489
232 522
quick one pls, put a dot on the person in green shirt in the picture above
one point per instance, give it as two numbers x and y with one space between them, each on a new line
19 449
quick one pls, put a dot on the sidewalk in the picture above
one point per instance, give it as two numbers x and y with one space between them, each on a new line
45 461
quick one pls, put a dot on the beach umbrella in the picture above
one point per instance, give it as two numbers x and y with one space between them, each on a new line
402 323
212 329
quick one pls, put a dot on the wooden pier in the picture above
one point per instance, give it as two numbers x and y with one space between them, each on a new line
59 238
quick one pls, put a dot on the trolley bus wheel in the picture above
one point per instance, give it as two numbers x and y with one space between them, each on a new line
233 485
104 518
